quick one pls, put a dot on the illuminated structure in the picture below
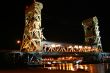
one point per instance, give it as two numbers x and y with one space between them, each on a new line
33 35
33 32
59 48
92 36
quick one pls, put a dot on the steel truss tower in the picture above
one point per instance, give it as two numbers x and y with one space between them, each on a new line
92 32
33 36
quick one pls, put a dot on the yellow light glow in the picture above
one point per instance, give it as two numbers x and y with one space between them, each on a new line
53 45
58 45
80 46
76 46
70 46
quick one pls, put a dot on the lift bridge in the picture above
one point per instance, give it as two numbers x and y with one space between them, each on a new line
40 58
33 49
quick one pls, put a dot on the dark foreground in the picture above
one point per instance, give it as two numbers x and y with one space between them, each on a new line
60 68
36 71
20 59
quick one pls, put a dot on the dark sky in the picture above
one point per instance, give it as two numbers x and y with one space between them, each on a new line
61 20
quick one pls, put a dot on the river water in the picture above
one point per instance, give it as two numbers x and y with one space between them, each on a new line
62 68
89 68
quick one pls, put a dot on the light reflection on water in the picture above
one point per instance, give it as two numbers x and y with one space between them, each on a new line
67 66
90 68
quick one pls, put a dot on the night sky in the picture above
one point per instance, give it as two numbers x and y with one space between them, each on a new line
61 20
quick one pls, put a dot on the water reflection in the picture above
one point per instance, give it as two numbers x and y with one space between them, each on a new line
89 68
67 66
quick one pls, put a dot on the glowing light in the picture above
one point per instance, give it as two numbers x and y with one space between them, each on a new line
76 46
80 46
48 62
70 46
53 45
18 41
79 61
85 46
81 67
72 69
86 67
54 61
58 45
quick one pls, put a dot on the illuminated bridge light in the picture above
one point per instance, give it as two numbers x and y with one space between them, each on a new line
76 46
53 45
80 46
89 47
58 45
70 46
85 47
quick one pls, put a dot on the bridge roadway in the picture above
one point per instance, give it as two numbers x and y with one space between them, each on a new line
13 57
75 54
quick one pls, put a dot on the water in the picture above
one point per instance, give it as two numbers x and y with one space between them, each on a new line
62 68
89 68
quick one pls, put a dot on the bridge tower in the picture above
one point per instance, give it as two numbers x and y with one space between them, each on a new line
92 32
33 35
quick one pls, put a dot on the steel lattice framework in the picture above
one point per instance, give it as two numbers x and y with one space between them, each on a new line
69 48
33 32
33 35
92 32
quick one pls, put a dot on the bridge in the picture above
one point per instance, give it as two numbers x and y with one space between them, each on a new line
39 58
34 51
69 48
33 47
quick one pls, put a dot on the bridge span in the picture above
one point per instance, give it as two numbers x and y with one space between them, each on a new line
33 58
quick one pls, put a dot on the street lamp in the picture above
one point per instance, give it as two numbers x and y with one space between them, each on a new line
18 42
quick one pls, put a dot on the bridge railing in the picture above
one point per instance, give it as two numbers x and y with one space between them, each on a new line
70 48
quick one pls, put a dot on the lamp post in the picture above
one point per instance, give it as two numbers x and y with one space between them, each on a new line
18 42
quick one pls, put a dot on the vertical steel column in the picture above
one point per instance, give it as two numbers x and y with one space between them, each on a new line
33 35
91 30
